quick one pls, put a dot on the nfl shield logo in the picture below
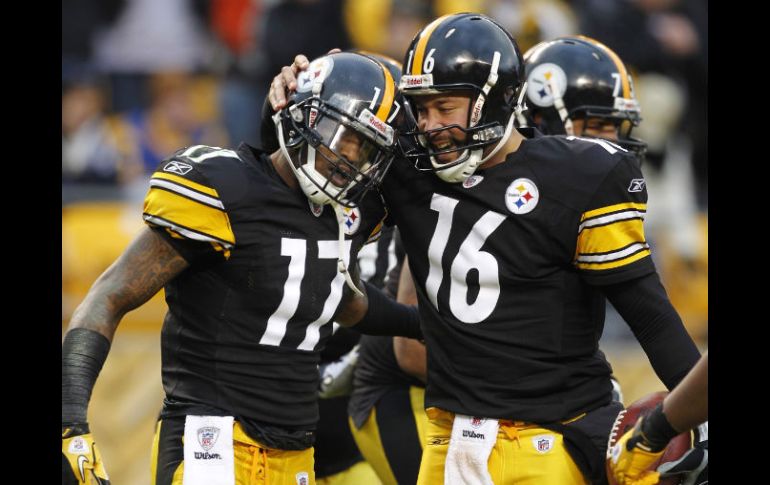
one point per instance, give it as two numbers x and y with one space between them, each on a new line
477 421
316 209
543 443
207 437
302 478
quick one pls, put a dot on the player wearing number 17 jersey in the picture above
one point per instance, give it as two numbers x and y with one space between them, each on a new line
253 250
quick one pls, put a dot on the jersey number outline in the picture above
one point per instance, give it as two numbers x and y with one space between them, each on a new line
469 257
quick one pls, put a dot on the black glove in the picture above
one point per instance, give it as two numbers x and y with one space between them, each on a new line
694 463
81 463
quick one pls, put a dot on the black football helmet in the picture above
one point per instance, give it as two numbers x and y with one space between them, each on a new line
394 67
461 52
390 64
577 77
339 96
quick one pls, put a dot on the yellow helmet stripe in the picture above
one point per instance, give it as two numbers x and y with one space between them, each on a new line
626 88
419 51
387 97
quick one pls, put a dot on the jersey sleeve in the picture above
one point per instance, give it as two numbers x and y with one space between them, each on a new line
611 245
183 202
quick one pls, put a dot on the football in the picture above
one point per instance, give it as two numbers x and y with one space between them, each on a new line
626 419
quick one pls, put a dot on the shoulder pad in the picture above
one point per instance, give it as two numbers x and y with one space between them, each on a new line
183 199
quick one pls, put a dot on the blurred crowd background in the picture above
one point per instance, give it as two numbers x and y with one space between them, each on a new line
142 78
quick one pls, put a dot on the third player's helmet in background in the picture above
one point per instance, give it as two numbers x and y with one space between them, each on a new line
578 77
464 52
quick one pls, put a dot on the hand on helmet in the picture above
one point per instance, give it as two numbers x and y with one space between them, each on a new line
286 81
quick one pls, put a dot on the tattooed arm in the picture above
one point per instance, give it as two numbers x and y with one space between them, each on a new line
142 270
145 267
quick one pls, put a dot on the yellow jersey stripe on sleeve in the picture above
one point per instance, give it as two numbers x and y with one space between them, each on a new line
186 183
610 237
635 253
625 206
188 217
188 193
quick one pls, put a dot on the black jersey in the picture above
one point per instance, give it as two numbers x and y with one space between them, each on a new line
501 262
247 319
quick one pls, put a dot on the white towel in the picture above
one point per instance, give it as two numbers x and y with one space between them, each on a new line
469 447
208 451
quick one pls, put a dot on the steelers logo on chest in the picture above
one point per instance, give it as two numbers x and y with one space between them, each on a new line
351 220
521 196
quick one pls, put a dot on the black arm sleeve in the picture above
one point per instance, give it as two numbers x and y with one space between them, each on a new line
386 317
644 305
82 356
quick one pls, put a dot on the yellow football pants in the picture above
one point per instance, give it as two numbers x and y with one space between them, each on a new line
523 454
255 464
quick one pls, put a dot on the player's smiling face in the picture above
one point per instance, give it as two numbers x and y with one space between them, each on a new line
437 111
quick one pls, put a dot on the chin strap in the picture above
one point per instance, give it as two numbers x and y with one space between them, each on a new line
341 267
502 141
518 111
558 103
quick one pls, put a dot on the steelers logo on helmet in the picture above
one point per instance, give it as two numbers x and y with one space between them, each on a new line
522 196
543 81
318 70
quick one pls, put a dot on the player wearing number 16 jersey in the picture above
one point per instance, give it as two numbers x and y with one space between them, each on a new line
254 251
514 240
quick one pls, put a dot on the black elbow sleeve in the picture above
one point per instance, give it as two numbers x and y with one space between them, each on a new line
385 316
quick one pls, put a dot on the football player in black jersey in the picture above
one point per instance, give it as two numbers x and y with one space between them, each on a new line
514 241
253 251
575 87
